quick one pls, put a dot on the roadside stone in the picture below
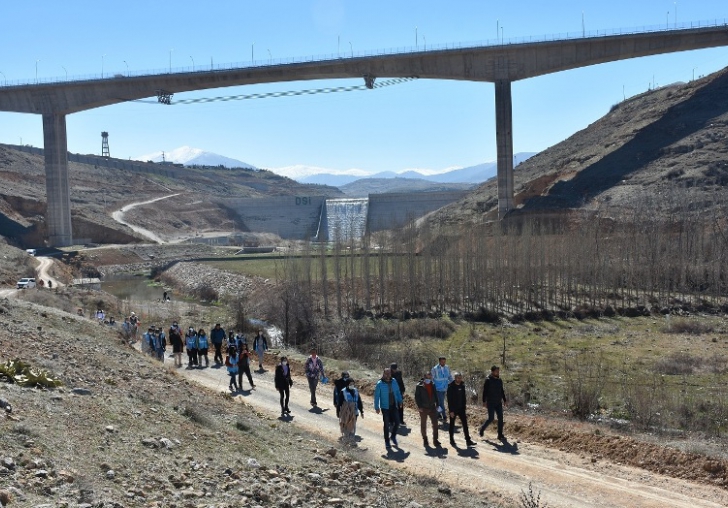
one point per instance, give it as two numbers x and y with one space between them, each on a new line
166 442
110 428
444 489
150 442
5 497
81 391
41 473
110 474
253 463
331 452
8 462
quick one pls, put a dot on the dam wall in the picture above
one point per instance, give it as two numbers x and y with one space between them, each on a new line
290 217
394 210
319 218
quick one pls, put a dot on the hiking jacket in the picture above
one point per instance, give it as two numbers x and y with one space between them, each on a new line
397 376
314 369
493 392
456 398
260 343
281 380
423 399
381 394
442 377
217 335
202 342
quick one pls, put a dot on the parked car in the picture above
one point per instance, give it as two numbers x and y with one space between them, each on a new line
26 283
30 251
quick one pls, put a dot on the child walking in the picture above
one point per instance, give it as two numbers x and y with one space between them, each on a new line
231 362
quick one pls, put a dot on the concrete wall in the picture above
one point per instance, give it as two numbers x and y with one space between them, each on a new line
299 217
291 217
393 210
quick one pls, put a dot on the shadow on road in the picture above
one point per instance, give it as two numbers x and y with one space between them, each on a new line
318 410
504 446
396 455
440 453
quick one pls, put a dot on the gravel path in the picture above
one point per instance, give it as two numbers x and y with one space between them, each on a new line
564 480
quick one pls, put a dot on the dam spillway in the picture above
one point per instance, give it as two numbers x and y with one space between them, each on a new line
321 219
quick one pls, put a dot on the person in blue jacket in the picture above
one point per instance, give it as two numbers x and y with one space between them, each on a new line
203 344
387 401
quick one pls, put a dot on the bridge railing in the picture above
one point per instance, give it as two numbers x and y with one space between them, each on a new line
352 54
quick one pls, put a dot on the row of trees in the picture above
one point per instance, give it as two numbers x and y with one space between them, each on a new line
661 255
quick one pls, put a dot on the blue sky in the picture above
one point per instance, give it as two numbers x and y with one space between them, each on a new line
425 124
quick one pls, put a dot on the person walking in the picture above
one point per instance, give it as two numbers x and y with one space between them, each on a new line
244 367
231 362
191 344
147 344
387 400
351 408
314 370
260 346
160 343
283 382
203 345
339 384
456 404
217 335
134 322
397 376
426 400
175 338
494 398
442 377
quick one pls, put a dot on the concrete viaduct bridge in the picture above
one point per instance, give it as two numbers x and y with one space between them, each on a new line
500 64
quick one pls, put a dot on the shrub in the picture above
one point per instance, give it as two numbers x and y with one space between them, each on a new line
677 364
586 376
689 326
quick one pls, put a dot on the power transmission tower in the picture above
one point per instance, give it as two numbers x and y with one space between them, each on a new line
105 145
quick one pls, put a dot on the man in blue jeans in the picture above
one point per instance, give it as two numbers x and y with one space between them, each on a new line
387 401
494 397
441 377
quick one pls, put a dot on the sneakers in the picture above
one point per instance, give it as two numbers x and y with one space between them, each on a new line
425 442
288 411
394 441
437 443
470 442
388 447
481 431
501 437
452 442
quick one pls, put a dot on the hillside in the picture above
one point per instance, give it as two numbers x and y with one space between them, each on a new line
664 147
97 191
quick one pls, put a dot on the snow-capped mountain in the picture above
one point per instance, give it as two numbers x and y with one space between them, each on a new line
470 175
194 157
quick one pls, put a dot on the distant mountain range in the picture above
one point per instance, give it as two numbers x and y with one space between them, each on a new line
194 157
470 175
462 177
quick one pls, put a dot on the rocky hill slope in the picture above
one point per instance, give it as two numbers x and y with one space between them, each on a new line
664 147
97 191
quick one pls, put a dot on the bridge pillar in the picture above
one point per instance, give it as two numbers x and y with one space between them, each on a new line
58 214
504 142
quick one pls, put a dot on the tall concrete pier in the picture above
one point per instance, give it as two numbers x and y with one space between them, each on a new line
501 64
58 216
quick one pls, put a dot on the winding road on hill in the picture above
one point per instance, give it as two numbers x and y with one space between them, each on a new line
118 216
563 479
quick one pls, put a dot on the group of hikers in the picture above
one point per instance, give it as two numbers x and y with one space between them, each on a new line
437 389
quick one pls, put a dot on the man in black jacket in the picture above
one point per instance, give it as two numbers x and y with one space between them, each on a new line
456 402
397 376
216 336
494 398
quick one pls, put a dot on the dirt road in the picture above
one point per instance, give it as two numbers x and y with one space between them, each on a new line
564 480
44 265
118 216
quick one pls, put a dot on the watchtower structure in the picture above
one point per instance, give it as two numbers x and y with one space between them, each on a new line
105 145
